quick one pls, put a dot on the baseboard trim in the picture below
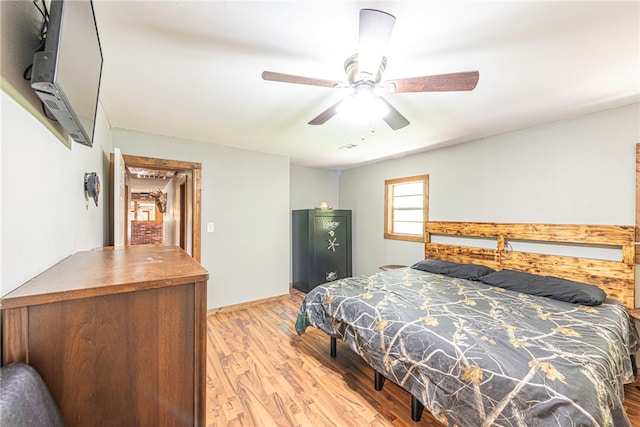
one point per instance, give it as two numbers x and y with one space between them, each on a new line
243 305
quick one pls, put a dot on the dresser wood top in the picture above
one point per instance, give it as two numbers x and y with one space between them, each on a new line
107 271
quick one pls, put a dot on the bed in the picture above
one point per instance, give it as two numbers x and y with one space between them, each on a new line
476 352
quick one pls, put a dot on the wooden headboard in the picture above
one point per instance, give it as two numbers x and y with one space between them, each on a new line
615 277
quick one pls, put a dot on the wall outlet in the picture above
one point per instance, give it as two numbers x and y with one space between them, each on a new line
210 227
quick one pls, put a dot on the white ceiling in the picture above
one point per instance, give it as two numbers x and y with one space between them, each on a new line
192 70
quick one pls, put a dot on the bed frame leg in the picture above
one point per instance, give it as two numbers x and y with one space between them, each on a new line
378 380
333 346
416 409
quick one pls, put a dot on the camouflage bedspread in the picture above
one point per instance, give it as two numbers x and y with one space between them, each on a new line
476 355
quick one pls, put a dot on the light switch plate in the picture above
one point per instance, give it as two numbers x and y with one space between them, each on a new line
210 227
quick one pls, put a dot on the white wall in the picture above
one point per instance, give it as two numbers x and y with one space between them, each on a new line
170 219
577 171
310 186
246 195
45 216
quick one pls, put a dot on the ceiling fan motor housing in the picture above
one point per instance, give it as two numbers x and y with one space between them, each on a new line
354 76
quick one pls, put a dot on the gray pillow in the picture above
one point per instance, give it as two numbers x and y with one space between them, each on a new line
546 286
453 269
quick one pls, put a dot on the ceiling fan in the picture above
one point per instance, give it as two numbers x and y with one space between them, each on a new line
364 76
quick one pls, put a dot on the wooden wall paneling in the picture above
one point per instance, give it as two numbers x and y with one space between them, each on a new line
457 253
569 233
598 272
628 253
463 254
617 278
470 229
612 235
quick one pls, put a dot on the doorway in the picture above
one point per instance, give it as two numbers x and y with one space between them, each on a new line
178 223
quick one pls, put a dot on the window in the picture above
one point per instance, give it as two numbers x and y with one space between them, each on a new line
406 207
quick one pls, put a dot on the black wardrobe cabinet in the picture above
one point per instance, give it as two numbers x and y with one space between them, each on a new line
321 246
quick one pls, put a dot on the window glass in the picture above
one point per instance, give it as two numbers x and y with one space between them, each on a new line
406 203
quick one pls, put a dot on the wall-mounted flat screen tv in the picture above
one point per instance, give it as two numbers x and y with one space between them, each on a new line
66 74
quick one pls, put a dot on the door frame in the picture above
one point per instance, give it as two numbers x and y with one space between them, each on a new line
177 165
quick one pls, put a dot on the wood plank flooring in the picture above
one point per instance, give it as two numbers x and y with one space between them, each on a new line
261 373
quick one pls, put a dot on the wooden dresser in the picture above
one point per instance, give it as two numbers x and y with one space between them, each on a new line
118 335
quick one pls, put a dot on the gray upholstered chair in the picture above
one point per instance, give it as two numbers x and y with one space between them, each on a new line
25 399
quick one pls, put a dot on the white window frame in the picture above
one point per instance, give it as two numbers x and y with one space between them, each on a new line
389 208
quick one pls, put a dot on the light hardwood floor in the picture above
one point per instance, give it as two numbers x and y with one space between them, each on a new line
261 373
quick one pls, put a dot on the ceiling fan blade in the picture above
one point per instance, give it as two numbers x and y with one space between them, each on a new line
290 78
438 83
375 31
325 115
394 119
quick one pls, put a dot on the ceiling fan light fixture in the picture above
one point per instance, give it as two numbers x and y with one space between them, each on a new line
362 107
364 71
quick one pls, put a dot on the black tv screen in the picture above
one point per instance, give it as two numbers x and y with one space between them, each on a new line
66 74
